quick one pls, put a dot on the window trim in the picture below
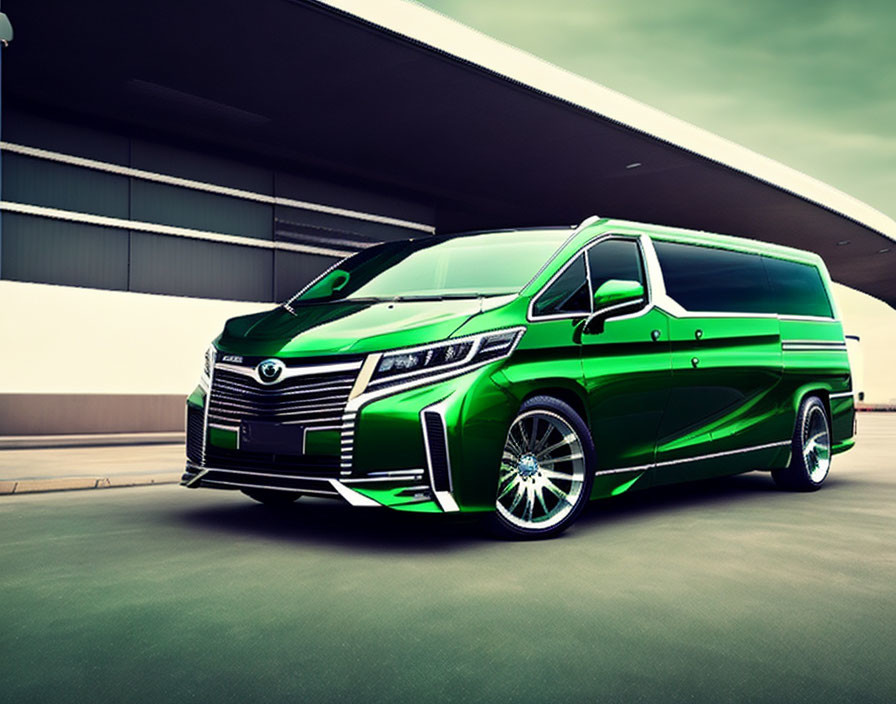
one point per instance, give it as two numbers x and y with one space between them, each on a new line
637 239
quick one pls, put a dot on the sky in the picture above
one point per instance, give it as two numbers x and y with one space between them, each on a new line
809 83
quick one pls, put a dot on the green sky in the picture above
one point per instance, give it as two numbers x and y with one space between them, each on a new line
810 83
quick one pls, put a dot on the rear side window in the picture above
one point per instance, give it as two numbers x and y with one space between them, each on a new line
798 288
615 259
716 280
568 293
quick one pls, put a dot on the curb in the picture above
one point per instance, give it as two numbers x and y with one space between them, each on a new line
30 486
27 442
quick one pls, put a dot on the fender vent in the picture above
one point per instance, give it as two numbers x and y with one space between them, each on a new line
437 450
194 433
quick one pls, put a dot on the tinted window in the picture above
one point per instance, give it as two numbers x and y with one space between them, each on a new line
707 279
798 288
568 293
615 259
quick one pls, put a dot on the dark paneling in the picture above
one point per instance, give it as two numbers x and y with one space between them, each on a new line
47 183
294 270
349 228
58 252
35 131
165 159
186 267
317 191
170 205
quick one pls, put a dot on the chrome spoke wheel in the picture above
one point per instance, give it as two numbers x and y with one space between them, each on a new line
543 471
816 444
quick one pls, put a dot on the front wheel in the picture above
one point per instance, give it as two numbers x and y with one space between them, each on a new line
810 456
546 473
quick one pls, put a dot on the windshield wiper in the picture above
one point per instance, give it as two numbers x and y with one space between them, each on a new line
326 301
441 296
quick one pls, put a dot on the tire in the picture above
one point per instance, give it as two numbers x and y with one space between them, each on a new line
810 455
546 471
270 497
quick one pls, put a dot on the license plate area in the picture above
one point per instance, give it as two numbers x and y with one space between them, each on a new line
277 438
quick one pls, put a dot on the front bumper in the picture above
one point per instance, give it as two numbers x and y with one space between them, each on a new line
425 449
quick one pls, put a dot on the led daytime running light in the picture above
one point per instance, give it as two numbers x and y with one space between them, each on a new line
446 355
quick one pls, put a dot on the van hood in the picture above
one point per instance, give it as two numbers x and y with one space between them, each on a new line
347 327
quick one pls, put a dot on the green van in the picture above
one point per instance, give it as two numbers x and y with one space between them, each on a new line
524 372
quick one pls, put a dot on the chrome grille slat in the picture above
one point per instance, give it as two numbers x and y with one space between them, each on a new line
279 408
239 402
276 391
316 401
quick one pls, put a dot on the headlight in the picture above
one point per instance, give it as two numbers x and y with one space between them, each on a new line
440 357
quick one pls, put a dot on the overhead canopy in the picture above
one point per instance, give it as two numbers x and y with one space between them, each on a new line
394 96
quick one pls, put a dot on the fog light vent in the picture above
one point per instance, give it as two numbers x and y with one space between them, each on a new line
437 450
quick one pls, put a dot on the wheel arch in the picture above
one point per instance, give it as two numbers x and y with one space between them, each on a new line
574 397
804 392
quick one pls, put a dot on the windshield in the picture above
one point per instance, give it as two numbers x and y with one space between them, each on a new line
466 266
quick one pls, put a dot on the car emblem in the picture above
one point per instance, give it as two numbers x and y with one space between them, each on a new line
270 370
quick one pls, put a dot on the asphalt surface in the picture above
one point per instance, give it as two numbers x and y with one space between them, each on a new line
726 590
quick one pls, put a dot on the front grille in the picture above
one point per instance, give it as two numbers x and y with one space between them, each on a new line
313 400
194 433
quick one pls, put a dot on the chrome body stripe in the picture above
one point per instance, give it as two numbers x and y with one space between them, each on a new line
842 394
713 455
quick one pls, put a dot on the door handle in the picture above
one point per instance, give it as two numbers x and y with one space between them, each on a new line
694 362
655 335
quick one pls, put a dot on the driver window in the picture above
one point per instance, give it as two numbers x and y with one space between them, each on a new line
615 259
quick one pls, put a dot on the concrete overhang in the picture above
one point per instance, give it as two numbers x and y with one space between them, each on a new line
391 95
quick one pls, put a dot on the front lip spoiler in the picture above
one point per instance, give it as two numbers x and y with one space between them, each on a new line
329 487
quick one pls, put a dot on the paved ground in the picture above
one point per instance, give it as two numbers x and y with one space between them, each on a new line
721 591
58 468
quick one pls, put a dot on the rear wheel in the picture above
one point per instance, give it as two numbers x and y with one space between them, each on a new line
546 472
810 457
270 497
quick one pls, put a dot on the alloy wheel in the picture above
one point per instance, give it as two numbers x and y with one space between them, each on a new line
542 472
816 444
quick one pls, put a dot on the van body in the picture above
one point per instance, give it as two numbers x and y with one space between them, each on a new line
525 372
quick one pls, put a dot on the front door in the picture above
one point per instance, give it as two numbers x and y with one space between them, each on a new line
626 363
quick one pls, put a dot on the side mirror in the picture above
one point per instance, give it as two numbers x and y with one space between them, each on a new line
332 282
610 295
617 291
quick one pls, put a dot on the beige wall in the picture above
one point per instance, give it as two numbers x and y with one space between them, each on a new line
63 339
875 323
